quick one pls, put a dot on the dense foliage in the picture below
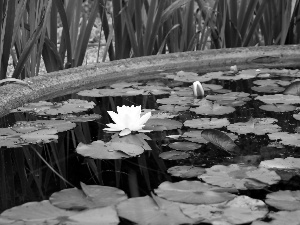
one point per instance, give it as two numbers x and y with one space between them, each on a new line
29 29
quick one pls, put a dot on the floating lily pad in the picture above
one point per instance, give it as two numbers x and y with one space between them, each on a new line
279 99
121 85
279 163
45 213
193 192
258 126
134 139
66 107
10 138
25 132
174 155
188 77
284 200
240 177
28 126
243 74
162 124
220 139
268 89
173 108
146 210
270 82
194 136
186 171
286 138
100 150
111 92
160 114
206 123
175 100
278 108
80 118
184 146
42 135
293 89
90 196
232 103
241 210
229 96
213 109
281 217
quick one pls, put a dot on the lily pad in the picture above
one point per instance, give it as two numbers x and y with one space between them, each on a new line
278 108
286 138
239 177
174 155
90 196
173 108
270 82
229 96
42 135
99 150
279 163
66 107
184 146
221 140
281 217
146 210
279 99
194 136
241 210
175 100
188 77
293 89
162 124
111 92
258 126
193 192
268 89
45 213
284 200
186 171
207 123
243 74
80 118
213 109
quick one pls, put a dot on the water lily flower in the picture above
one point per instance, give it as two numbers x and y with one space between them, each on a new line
198 89
128 119
234 68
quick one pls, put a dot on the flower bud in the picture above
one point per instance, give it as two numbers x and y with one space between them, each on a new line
198 89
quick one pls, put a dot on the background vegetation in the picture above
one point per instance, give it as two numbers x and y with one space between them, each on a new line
29 29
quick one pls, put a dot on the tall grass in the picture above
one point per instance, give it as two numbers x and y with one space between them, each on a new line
28 31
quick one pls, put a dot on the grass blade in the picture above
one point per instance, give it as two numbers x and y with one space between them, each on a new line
65 36
28 48
131 33
87 33
106 29
8 33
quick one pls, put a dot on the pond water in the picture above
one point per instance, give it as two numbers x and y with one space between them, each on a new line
225 152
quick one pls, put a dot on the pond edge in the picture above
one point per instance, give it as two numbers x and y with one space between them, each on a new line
72 80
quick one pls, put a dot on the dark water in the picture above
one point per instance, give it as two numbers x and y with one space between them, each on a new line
25 177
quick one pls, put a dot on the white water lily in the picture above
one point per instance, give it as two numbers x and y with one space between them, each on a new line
198 89
128 119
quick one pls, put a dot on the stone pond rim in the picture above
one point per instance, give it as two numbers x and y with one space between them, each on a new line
72 80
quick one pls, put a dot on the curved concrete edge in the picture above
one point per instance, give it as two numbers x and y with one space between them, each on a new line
72 80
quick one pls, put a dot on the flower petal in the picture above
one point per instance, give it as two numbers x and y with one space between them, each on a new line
144 118
125 132
116 118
